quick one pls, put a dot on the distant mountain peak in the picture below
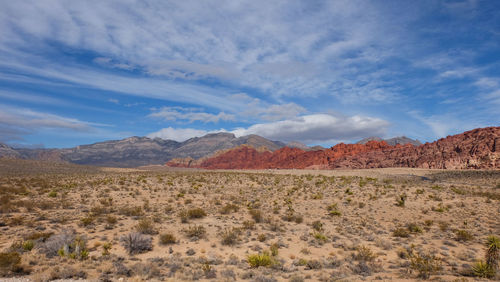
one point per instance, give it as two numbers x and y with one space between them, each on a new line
402 140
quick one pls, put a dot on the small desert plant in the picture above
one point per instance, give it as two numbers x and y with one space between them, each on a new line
414 228
52 194
66 244
136 243
401 200
493 252
230 236
167 238
425 264
262 259
401 232
105 248
145 226
195 232
28 245
364 253
317 225
333 210
196 213
463 235
483 270
9 261
229 208
256 215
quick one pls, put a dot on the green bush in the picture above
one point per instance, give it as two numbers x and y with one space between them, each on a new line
483 270
196 213
463 235
262 259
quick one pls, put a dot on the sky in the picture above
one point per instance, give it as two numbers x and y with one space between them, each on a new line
317 72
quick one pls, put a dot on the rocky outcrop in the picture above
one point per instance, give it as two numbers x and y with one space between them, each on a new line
475 149
247 157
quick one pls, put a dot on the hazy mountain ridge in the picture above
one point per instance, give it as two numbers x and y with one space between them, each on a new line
137 151
402 140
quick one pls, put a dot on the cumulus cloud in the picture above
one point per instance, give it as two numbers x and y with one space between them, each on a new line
190 115
318 128
178 134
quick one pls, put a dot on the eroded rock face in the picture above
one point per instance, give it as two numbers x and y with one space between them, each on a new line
247 157
475 149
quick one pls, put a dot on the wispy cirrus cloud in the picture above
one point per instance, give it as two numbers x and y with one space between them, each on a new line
189 114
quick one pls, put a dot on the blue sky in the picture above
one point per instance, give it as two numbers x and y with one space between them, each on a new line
318 72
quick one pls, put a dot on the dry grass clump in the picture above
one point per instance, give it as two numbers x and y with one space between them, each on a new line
136 243
167 238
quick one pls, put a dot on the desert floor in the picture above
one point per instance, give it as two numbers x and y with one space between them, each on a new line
60 221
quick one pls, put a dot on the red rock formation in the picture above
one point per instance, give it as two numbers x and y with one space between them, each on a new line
475 149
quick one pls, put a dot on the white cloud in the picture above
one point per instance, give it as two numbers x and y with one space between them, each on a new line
318 128
289 53
17 122
190 115
177 134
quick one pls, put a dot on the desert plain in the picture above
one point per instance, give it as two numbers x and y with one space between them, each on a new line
64 221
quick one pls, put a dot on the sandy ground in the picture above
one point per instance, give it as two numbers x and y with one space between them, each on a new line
341 225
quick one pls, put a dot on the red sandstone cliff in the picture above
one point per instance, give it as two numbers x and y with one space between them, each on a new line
475 149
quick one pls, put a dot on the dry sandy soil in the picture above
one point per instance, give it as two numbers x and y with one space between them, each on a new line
152 223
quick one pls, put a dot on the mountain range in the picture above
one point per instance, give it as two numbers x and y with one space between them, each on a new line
139 151
475 149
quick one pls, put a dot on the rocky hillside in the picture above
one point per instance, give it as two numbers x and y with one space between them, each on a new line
138 151
245 157
475 149
402 140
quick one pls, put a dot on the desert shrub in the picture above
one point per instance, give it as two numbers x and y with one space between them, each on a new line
248 224
28 245
313 264
131 211
317 225
196 213
229 208
414 228
106 247
364 253
38 236
493 251
463 235
9 261
424 264
333 210
256 215
136 243
262 259
401 200
145 226
195 232
483 270
230 236
110 219
274 249
320 237
87 220
401 232
261 237
167 238
66 244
